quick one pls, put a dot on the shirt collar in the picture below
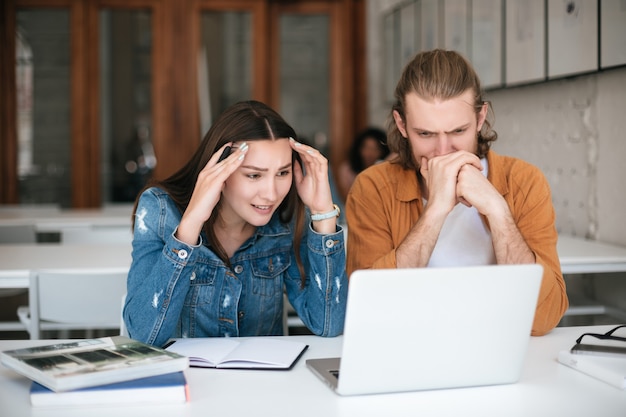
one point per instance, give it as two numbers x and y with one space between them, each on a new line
497 174
408 188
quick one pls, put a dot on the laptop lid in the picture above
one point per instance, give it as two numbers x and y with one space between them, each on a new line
433 328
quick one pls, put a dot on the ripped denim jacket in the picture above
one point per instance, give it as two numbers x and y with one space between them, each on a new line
178 290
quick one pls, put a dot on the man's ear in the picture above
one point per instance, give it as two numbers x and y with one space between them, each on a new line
400 123
482 116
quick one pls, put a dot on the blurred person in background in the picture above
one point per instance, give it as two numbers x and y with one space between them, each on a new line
368 148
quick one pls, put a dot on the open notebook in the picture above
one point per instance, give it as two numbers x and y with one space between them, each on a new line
432 328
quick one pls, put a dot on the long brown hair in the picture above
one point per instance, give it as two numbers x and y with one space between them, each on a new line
436 74
244 121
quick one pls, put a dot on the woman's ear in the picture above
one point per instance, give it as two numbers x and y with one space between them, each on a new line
400 123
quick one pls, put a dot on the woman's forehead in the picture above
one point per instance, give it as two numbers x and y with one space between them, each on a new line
268 152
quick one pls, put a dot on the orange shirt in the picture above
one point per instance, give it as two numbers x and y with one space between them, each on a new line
385 202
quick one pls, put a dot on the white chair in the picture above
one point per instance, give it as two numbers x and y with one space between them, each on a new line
81 299
123 329
10 235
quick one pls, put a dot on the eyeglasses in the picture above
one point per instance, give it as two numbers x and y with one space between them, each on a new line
606 336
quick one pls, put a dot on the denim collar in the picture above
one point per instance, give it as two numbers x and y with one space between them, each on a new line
274 228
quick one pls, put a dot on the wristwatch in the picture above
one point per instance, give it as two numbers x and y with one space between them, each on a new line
324 216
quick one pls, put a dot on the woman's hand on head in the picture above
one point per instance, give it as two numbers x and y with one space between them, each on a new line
207 191
311 178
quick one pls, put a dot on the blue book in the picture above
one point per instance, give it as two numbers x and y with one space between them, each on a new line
169 388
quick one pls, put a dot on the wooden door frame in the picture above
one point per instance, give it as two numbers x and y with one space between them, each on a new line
79 141
176 38
9 193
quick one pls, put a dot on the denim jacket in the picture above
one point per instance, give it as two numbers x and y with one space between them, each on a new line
180 290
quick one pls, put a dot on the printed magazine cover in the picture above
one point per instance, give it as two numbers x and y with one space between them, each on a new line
92 362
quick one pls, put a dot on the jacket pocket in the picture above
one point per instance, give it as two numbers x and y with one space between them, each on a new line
203 281
267 274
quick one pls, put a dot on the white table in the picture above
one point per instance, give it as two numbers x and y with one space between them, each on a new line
55 220
576 255
581 256
546 388
16 261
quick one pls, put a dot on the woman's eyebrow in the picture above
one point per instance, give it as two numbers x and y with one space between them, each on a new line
252 167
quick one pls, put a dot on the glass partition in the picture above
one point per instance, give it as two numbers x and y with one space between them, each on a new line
127 153
304 76
43 106
224 63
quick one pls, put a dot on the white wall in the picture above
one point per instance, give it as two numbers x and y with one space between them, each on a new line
575 131
611 111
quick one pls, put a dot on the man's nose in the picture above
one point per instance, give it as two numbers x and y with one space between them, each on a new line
443 146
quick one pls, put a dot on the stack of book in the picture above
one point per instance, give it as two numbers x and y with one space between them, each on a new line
121 371
104 371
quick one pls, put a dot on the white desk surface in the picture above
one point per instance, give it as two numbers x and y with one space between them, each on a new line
578 255
546 388
16 261
54 220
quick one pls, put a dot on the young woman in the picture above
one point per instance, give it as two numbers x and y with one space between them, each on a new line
217 244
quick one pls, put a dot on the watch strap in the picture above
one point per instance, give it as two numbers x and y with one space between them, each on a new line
328 215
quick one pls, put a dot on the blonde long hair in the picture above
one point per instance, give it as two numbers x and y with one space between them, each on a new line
436 74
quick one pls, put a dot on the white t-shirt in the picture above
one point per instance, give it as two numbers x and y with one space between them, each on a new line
464 239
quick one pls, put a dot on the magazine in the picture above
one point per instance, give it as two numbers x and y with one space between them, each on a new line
91 362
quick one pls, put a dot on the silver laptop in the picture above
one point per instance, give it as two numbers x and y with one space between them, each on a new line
433 328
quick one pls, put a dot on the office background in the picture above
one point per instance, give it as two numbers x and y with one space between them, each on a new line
572 126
